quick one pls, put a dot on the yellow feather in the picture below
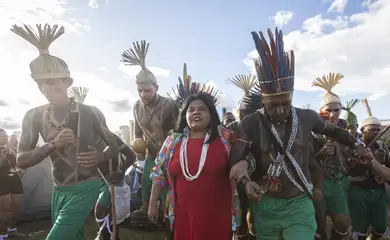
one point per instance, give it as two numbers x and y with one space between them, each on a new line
328 82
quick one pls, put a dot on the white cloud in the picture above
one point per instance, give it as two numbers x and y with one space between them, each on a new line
103 69
338 5
281 18
132 71
93 4
19 89
357 46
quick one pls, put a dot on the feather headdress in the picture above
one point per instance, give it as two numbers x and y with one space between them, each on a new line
45 66
251 101
137 57
350 116
275 68
371 120
327 82
187 87
243 82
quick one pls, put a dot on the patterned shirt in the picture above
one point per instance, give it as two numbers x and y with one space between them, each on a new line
161 176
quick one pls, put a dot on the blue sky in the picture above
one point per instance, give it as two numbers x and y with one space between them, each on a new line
213 38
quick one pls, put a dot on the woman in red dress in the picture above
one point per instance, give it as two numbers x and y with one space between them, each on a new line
194 164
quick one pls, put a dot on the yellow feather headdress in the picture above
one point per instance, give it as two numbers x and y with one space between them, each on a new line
328 82
137 57
371 120
45 66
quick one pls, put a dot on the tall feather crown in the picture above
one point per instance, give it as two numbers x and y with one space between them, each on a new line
371 120
45 66
187 87
137 57
275 68
328 82
350 116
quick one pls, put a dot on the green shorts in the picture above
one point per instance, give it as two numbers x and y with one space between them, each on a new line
335 199
71 206
368 207
104 199
287 219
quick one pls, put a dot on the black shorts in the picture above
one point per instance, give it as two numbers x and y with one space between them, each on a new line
10 185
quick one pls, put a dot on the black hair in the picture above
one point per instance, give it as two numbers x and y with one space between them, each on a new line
208 100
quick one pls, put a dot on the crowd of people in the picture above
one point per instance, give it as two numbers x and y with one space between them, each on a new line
275 173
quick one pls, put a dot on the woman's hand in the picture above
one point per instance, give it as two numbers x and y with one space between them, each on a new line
239 170
317 194
153 212
253 191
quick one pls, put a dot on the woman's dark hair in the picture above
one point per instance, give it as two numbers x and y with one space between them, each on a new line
214 117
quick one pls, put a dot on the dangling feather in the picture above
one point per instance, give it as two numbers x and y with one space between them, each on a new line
368 108
187 87
243 82
43 38
136 56
327 82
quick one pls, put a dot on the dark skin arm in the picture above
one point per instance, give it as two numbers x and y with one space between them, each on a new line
340 135
126 151
316 171
241 148
28 154
107 136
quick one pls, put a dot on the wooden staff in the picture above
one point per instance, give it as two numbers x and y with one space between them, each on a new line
378 136
113 208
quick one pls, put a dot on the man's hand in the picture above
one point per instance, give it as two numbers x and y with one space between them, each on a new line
365 155
239 170
253 191
65 137
327 149
90 159
317 194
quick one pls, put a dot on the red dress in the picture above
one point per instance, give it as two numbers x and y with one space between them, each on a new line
202 206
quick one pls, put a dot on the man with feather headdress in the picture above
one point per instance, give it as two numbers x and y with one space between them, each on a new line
367 194
154 117
330 155
352 122
71 131
277 135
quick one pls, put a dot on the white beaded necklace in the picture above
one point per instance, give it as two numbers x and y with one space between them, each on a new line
184 158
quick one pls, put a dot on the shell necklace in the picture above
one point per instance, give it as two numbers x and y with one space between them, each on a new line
184 158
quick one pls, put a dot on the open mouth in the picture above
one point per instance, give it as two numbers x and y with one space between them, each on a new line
196 119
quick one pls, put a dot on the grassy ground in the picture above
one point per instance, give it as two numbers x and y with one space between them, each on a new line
38 231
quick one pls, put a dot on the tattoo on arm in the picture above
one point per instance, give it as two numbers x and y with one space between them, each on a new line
28 155
338 134
127 152
105 133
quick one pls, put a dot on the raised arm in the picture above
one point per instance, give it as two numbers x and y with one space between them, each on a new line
321 127
28 154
